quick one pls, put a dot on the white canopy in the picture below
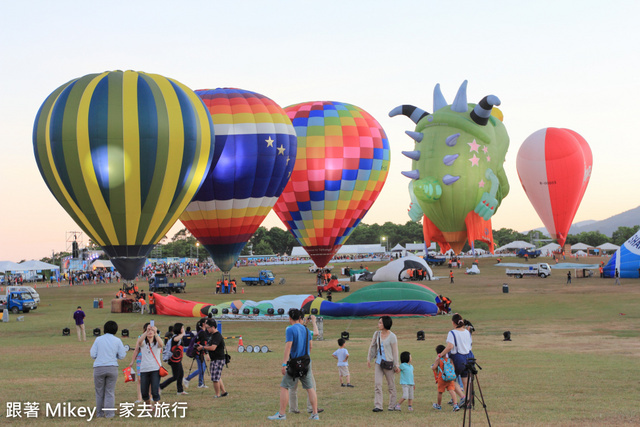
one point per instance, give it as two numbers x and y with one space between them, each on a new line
397 248
34 265
549 248
580 247
608 247
581 253
101 263
517 244
10 266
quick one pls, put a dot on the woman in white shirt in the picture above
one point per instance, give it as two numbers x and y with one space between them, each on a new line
459 344
150 345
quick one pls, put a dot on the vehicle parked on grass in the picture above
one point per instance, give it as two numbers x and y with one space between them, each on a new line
19 301
530 253
34 295
265 277
431 260
541 269
160 283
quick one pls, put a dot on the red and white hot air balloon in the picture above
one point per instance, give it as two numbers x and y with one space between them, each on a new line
554 166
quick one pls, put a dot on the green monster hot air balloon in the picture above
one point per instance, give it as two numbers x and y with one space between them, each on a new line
458 179
123 153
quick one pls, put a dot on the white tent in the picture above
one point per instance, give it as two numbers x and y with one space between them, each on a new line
580 253
101 263
517 244
34 265
551 247
580 247
397 248
420 246
608 247
10 266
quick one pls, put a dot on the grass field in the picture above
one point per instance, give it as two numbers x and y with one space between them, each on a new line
573 359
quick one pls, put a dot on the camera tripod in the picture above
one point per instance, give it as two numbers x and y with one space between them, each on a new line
470 392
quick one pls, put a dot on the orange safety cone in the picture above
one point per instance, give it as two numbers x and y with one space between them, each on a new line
240 343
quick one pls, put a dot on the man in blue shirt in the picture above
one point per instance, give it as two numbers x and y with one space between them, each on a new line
298 344
79 316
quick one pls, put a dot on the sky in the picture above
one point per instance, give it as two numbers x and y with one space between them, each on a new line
552 64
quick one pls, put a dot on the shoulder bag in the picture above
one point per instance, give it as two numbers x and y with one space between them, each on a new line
162 371
298 367
384 364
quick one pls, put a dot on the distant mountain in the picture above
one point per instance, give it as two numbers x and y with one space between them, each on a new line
607 226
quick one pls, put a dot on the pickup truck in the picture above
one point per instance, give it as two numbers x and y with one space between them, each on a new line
160 283
431 260
265 277
19 301
530 253
542 269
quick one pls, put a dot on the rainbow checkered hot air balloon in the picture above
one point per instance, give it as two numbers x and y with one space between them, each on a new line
342 165
123 153
255 164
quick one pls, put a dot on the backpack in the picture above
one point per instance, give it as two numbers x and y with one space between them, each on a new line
447 370
191 349
167 351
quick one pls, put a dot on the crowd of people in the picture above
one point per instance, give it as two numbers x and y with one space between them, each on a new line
207 344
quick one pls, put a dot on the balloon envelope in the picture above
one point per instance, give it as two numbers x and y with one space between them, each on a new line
342 164
554 166
123 153
256 145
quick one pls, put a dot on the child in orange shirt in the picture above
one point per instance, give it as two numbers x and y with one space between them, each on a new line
443 385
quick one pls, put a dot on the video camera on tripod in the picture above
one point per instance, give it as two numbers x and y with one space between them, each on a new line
471 366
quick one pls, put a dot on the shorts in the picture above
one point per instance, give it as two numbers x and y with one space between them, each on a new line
307 381
407 391
216 369
445 385
343 371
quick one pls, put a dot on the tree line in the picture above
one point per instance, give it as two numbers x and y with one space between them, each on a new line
276 241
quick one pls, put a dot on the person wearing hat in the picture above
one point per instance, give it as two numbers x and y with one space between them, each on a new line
79 318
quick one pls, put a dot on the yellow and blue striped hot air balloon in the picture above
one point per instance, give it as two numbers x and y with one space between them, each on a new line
124 153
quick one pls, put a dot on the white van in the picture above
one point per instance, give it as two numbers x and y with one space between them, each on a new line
34 294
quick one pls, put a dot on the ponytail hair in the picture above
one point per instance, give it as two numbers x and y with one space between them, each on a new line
457 320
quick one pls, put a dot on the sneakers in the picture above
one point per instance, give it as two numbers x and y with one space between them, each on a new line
397 408
294 412
185 383
450 402
378 410
342 385
224 394
203 386
180 393
410 408
314 417
319 410
456 408
277 416
350 385
436 406
462 402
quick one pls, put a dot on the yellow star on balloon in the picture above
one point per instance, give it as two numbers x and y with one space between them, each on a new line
281 150
269 141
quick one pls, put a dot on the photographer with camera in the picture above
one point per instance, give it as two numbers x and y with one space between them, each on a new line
459 344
